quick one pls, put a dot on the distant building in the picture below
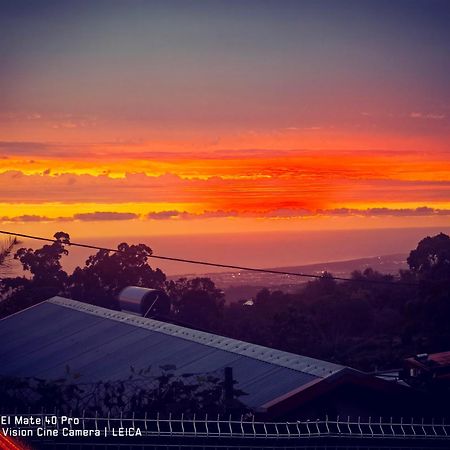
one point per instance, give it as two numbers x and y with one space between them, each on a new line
428 371
102 344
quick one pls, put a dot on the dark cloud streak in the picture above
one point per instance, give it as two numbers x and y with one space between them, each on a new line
422 211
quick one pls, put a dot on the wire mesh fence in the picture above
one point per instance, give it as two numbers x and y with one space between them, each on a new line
245 427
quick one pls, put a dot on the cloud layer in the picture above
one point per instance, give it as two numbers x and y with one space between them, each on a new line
100 216
41 182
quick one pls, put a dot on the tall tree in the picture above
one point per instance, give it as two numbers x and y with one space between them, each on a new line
107 273
431 259
430 263
48 278
45 263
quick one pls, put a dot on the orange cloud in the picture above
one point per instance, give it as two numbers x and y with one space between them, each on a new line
132 180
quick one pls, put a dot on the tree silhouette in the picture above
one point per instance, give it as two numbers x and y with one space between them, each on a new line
106 273
431 259
45 263
430 264
6 250
197 302
48 278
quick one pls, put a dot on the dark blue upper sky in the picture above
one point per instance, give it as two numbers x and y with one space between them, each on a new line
257 63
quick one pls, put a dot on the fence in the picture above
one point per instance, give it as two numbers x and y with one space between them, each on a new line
249 428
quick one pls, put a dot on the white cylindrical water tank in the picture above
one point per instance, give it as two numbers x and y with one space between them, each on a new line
144 301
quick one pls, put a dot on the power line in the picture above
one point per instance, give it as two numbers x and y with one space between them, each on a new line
212 264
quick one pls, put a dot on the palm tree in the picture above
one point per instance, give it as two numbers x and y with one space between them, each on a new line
6 249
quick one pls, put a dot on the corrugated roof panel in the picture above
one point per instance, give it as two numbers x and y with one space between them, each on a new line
264 381
102 344
118 356
14 329
309 365
273 384
44 332
214 360
62 346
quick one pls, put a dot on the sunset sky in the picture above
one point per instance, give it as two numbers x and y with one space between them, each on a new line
188 117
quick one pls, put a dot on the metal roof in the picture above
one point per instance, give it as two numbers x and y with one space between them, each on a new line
102 344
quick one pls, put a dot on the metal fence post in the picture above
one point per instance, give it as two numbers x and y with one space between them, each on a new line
432 426
401 426
298 428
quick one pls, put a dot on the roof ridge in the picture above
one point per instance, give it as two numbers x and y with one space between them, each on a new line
280 358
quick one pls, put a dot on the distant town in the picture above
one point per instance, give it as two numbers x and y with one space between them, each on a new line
240 285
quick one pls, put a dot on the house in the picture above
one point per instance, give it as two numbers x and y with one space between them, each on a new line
428 371
101 345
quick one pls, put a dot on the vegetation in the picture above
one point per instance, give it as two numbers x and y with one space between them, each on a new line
6 250
142 392
370 323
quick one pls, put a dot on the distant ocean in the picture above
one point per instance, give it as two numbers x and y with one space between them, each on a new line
263 249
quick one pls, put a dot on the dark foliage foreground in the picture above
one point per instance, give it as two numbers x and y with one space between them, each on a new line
142 393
